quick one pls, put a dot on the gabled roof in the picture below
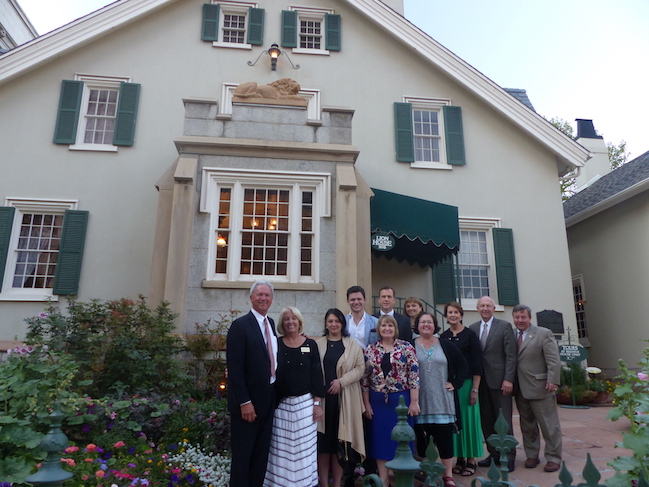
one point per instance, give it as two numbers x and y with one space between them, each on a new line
619 185
74 35
520 95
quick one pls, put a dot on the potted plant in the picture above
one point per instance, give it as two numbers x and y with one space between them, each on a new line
574 385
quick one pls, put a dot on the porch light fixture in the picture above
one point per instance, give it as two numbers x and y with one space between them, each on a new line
274 52
221 242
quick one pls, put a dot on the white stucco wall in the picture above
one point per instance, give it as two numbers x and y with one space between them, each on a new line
508 175
609 250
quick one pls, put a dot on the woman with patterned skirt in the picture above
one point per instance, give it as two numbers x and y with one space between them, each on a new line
299 387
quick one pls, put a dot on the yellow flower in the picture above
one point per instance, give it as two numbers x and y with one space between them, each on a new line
185 429
150 461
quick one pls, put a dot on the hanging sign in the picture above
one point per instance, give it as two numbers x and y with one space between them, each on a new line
383 242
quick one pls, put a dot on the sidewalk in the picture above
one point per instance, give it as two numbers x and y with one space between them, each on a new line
584 431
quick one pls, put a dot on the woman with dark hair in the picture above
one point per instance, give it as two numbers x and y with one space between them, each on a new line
412 307
468 444
391 371
442 371
343 366
299 388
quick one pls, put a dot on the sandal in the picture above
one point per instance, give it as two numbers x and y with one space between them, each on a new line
449 482
459 466
469 469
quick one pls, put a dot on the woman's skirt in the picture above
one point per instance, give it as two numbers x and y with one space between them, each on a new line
468 444
292 460
328 441
380 444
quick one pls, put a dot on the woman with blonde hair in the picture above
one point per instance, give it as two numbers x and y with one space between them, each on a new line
299 388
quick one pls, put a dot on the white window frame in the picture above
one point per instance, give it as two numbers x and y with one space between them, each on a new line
213 179
313 99
234 8
91 82
314 14
482 225
578 280
431 105
28 205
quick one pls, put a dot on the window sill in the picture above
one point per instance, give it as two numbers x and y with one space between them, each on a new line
318 52
279 286
232 45
94 147
430 165
28 297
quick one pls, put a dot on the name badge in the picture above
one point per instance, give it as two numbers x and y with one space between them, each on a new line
305 349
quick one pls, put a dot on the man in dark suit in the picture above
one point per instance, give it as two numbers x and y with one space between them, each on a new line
498 375
386 302
252 358
538 377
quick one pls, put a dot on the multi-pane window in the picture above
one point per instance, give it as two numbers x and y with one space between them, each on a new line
100 116
262 230
310 33
580 312
37 250
473 264
234 28
426 135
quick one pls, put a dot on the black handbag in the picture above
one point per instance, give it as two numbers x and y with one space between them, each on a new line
348 458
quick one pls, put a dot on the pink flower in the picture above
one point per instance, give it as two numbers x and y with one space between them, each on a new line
43 314
642 376
89 460
100 474
119 444
69 461
71 449
113 415
84 477
91 447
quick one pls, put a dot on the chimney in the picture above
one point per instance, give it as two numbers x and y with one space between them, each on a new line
598 165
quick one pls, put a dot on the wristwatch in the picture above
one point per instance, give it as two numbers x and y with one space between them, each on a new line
474 390
316 403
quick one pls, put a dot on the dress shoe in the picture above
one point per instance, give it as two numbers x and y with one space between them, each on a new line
511 465
532 462
487 462
551 467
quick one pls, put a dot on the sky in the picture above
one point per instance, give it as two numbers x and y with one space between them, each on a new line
576 58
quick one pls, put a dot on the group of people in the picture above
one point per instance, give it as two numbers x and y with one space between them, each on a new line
297 402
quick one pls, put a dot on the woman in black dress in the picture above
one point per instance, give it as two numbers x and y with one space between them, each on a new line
343 364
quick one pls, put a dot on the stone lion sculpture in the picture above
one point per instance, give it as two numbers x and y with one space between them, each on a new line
282 89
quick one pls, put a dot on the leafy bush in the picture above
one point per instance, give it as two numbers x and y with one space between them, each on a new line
574 378
632 399
32 381
118 344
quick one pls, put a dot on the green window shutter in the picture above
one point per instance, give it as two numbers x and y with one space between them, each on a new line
129 97
256 26
444 282
68 116
333 34
454 136
68 266
505 266
403 132
6 222
210 31
289 28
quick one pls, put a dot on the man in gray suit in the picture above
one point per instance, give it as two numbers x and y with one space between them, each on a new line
499 372
538 377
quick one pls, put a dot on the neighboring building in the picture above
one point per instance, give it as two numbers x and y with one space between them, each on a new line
608 232
132 167
15 27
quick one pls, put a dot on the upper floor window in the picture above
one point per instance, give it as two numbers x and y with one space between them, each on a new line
37 237
264 224
97 113
429 133
311 30
233 24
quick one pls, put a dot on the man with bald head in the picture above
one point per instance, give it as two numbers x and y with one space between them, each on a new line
499 371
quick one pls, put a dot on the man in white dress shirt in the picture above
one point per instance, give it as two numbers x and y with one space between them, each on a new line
360 325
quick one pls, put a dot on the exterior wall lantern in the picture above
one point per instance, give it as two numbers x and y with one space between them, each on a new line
274 52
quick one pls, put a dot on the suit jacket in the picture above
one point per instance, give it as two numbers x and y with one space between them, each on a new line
538 363
499 353
403 322
370 327
248 366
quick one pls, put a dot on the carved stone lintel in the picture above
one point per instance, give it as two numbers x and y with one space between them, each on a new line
281 92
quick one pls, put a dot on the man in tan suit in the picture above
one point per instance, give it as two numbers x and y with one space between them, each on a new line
538 372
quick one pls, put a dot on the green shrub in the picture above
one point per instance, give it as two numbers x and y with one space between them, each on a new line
119 345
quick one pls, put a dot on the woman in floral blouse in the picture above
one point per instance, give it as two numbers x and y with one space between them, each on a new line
391 371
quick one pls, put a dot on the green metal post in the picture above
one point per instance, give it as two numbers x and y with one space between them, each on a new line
51 474
403 464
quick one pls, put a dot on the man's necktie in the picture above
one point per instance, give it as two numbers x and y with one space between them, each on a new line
483 336
269 346
519 340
